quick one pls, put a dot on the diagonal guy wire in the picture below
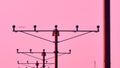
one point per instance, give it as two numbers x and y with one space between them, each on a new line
74 37
32 56
37 36
27 65
53 57
49 64
53 41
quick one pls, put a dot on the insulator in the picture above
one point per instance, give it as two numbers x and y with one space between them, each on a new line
13 27
35 27
77 27
17 50
98 28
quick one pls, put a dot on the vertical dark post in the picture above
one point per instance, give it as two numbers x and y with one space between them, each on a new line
37 64
107 32
13 28
43 54
56 34
35 27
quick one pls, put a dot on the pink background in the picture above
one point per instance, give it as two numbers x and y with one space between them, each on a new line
66 14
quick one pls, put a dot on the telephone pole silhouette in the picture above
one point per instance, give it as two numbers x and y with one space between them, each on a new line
37 63
107 45
55 33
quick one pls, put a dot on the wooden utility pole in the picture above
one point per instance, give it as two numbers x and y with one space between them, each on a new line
107 34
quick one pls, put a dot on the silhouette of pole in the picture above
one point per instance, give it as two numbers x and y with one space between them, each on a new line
37 64
56 34
107 33
43 54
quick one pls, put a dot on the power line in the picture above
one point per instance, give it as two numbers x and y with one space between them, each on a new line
38 37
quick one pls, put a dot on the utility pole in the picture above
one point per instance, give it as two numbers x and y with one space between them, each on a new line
43 54
56 33
37 63
107 58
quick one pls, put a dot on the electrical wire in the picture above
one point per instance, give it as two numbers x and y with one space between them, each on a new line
37 36
53 57
73 37
49 64
27 65
32 56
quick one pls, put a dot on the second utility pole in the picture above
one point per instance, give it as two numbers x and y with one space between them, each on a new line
56 34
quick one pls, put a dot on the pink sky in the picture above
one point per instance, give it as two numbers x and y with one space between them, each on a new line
66 14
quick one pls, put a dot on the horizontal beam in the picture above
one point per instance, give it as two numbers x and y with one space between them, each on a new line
33 52
32 63
52 31
43 52
65 52
76 30
35 63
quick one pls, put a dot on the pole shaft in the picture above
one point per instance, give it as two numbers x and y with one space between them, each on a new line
56 48
107 32
44 54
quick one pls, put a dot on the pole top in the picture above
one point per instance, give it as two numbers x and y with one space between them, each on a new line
77 26
13 26
35 26
98 28
43 50
56 26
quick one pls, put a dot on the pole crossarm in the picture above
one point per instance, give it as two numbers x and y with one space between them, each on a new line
32 63
31 52
65 52
35 30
